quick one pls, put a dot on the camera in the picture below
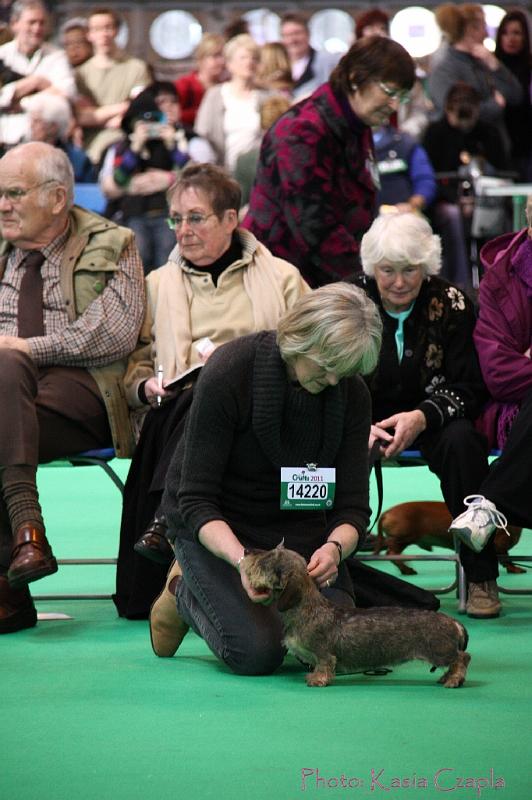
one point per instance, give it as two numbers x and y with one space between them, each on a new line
155 120
154 131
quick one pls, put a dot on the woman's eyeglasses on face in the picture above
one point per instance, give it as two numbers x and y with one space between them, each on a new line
402 95
194 220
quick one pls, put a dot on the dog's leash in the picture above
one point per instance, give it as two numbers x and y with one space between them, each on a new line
377 466
378 672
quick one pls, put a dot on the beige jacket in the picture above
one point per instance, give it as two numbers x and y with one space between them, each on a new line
183 306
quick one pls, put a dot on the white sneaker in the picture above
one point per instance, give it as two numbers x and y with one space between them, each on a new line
475 525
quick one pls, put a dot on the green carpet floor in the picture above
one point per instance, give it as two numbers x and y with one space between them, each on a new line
88 713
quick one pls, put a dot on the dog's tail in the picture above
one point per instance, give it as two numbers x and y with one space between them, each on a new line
464 636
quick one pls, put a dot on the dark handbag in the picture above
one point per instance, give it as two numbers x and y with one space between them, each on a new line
373 587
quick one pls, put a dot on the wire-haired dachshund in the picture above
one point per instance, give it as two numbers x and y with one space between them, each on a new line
332 639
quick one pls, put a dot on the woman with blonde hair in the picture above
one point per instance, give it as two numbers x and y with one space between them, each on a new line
277 399
274 72
210 70
228 116
467 59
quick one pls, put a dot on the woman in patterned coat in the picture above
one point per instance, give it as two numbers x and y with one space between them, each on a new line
316 181
427 389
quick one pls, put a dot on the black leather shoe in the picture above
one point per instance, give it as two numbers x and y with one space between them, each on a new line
16 608
31 557
153 543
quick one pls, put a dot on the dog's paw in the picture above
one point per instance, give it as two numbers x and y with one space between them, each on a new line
318 679
452 680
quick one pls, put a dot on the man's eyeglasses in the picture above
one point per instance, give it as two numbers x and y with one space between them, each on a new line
15 195
193 220
403 95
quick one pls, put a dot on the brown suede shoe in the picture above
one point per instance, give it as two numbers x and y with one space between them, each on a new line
16 608
167 628
31 557
483 600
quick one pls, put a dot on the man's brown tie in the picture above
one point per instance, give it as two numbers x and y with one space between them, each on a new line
30 302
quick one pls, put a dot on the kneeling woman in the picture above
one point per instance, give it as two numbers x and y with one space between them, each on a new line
268 401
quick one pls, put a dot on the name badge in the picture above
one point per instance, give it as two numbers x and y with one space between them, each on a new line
307 488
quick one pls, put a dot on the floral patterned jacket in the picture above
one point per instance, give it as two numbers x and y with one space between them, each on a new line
315 188
439 372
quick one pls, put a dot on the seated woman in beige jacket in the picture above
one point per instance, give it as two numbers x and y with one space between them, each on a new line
219 283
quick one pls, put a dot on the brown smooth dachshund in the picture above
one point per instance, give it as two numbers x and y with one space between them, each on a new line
426 524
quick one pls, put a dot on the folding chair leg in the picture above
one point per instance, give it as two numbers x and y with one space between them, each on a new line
461 592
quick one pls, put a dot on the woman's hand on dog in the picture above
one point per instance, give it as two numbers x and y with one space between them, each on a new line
323 565
255 596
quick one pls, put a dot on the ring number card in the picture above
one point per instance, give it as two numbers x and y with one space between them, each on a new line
307 488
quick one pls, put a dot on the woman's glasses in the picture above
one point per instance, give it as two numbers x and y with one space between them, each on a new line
403 95
194 220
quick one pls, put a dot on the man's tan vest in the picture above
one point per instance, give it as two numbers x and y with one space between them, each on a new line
91 255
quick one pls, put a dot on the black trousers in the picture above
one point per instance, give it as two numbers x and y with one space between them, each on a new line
138 580
246 636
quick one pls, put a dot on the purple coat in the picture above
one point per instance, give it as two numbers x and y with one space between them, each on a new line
314 192
503 333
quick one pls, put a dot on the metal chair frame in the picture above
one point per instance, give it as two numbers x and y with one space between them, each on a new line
413 458
100 458
408 458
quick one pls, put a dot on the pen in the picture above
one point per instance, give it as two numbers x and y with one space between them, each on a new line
159 382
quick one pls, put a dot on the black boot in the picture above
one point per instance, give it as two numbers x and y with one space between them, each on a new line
153 543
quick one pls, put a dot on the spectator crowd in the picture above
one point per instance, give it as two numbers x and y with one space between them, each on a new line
360 170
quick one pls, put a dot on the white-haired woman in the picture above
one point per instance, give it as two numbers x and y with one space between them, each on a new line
228 116
428 388
268 401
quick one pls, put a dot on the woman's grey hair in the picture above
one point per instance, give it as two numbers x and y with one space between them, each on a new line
222 190
51 108
401 238
54 166
337 326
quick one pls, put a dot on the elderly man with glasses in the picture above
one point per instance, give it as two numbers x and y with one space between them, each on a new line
71 305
